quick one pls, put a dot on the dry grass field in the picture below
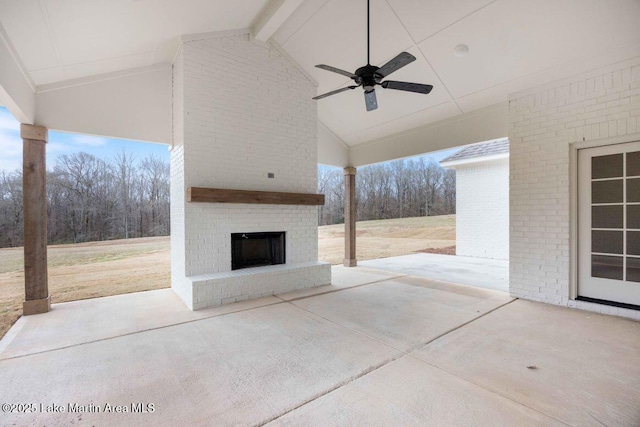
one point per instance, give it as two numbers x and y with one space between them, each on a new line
390 237
97 269
87 270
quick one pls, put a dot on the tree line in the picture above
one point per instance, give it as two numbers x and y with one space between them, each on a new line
92 199
397 189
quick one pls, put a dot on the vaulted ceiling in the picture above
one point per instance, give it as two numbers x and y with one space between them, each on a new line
513 45
66 39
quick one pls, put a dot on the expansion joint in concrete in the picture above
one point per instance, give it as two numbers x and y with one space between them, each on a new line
401 354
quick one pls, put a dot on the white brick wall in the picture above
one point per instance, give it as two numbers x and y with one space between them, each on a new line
239 285
179 282
482 209
245 111
542 123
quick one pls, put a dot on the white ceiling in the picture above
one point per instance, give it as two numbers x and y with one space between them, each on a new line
66 39
514 44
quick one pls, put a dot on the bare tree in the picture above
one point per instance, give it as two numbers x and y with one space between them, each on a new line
402 188
123 168
155 178
93 199
80 177
11 224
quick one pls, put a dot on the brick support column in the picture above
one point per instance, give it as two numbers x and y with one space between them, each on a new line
34 180
350 217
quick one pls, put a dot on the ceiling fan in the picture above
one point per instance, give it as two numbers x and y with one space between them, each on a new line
369 76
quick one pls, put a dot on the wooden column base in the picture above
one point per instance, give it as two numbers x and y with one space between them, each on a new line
36 306
350 262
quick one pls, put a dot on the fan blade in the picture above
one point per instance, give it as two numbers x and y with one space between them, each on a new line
396 63
337 70
333 92
370 100
409 87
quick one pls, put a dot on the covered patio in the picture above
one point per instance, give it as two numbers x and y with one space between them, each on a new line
374 348
228 87
231 87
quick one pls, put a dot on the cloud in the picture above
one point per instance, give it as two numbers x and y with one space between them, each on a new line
10 142
10 151
91 141
10 166
57 147
8 122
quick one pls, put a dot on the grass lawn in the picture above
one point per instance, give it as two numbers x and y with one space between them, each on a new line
98 269
87 270
390 237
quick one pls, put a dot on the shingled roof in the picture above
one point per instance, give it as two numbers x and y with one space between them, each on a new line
489 148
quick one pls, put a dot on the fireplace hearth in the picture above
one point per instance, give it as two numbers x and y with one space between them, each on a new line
257 249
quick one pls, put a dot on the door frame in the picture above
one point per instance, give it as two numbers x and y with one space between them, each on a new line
573 200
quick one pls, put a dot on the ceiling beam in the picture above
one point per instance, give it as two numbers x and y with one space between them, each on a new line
273 16
479 125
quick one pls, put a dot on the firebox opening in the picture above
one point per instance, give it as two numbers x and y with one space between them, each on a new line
257 249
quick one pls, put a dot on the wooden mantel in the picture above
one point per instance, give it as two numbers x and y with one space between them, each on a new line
222 195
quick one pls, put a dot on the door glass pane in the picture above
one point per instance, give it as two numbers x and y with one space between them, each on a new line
606 166
615 229
607 242
633 216
606 267
633 190
607 191
606 216
633 242
633 164
633 269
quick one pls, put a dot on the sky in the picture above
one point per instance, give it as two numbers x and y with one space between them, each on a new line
105 148
68 143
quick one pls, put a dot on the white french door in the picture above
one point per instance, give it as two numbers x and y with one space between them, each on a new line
609 223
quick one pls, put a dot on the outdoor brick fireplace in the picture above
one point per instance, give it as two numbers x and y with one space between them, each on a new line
243 163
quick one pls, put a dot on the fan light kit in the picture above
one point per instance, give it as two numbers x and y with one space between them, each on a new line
369 76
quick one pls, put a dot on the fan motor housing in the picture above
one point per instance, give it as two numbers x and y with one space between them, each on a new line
368 77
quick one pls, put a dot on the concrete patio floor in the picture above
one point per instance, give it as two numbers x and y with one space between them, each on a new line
463 270
374 348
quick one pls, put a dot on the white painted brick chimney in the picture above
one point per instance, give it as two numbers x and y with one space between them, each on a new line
241 110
